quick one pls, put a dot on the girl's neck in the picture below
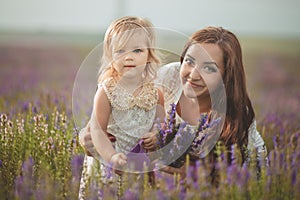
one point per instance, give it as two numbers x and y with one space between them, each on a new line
131 84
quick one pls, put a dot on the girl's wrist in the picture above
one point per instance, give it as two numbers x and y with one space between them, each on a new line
111 157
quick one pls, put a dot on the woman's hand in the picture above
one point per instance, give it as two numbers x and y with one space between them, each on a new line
85 140
149 141
172 170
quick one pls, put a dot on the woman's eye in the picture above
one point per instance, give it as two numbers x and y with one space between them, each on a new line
188 61
210 69
137 50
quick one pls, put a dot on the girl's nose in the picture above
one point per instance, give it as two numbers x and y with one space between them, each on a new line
129 56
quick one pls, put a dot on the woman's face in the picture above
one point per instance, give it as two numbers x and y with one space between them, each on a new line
201 70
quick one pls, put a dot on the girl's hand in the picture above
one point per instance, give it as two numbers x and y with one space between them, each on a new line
118 160
149 141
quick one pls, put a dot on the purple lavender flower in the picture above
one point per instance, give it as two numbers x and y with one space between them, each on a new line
76 165
161 195
180 139
232 154
294 177
130 195
26 106
182 194
275 141
25 182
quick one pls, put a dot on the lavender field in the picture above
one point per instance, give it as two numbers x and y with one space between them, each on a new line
40 157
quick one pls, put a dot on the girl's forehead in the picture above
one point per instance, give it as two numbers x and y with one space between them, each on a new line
130 40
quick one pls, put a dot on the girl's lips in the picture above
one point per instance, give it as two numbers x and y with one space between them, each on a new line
129 66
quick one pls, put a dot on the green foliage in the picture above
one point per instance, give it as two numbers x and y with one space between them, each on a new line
48 141
37 149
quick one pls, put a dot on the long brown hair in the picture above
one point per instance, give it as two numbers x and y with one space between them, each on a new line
239 112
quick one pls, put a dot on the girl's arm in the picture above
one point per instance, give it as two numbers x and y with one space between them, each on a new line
99 121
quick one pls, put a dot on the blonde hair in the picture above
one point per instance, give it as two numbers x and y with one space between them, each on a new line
116 37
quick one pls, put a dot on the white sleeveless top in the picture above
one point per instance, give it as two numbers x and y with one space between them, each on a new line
131 116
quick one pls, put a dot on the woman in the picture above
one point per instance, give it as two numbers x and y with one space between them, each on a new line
209 53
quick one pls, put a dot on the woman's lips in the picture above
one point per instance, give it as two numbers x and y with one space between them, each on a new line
192 84
129 66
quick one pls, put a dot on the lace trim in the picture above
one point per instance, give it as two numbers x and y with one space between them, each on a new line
120 99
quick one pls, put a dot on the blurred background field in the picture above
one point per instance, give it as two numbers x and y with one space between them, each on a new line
38 64
43 44
41 68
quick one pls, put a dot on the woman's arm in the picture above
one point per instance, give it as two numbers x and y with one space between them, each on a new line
85 140
255 141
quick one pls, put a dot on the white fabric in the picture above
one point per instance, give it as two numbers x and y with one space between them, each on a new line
128 125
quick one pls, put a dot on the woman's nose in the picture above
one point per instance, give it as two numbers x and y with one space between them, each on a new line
195 73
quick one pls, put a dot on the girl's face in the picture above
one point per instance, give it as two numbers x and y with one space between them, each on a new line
131 59
201 70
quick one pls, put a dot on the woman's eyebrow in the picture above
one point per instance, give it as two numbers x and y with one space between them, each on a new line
206 62
211 62
192 58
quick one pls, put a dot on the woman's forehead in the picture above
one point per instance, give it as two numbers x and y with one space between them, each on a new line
206 52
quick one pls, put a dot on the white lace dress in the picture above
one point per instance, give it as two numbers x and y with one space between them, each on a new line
169 83
131 117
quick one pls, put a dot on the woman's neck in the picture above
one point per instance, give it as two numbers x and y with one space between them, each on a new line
204 104
190 109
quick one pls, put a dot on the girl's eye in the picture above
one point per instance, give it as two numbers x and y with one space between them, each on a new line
137 50
119 51
209 69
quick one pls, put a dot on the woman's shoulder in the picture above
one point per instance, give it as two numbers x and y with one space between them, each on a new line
168 81
172 67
